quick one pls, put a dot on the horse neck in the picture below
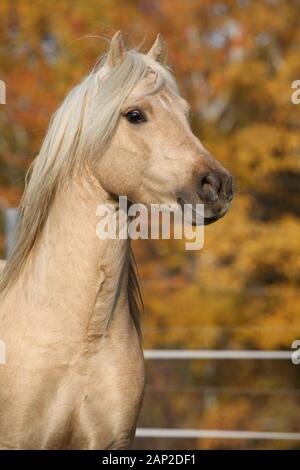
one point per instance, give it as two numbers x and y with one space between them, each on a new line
72 274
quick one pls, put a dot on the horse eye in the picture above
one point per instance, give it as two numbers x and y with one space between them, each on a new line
136 116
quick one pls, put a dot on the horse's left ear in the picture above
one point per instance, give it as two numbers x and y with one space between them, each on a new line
159 51
116 53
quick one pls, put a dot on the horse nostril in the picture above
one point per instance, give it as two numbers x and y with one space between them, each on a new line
209 186
215 185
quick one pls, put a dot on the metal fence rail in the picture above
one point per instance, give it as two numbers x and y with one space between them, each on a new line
215 434
11 216
215 354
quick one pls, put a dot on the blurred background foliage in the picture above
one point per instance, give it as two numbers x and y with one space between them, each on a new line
235 61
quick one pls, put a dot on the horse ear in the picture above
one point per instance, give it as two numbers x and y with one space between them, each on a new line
116 53
159 51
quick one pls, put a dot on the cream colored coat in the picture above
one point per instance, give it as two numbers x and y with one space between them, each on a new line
74 373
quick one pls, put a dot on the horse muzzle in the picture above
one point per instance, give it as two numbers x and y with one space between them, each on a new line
214 189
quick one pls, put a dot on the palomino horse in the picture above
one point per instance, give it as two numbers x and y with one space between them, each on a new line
74 372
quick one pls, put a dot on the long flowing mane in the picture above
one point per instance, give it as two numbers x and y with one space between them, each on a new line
78 133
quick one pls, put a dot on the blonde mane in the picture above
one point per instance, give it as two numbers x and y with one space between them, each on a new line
78 133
